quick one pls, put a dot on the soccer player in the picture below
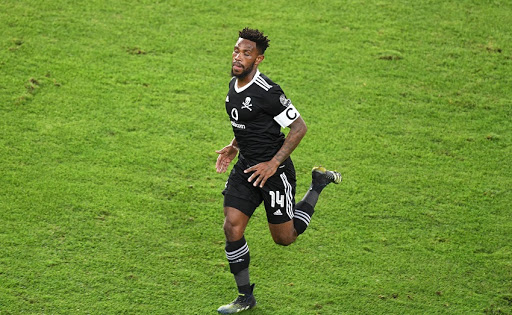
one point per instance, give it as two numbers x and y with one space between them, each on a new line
264 172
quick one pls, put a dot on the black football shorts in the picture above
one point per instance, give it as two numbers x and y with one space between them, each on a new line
278 194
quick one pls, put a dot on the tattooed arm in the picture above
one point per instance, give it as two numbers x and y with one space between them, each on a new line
264 170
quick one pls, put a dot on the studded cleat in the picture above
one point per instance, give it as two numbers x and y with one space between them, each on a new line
242 303
323 177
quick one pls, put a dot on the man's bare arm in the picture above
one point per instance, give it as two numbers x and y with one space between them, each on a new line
298 130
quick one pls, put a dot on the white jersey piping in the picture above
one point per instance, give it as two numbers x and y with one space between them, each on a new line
243 88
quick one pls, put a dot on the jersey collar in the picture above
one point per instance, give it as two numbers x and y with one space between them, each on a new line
243 88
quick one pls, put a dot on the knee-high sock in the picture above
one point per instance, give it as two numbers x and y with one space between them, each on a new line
302 216
305 208
311 197
238 257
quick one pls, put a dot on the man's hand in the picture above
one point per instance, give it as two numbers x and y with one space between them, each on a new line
262 172
226 155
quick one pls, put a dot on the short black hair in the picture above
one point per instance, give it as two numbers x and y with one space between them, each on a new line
262 41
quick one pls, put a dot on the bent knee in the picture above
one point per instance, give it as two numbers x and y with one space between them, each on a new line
283 234
284 241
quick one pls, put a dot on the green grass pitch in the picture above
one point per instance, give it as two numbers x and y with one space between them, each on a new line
110 113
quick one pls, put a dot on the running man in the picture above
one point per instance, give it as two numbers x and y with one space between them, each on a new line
264 172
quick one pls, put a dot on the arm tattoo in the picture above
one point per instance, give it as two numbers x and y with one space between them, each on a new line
291 142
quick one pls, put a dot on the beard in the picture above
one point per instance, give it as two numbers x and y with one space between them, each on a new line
244 73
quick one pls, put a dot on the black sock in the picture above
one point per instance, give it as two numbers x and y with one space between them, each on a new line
311 196
302 216
238 257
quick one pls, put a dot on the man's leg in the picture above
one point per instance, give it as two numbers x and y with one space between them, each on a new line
283 233
241 199
305 208
237 251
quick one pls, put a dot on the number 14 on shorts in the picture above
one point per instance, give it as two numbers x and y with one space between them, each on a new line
276 198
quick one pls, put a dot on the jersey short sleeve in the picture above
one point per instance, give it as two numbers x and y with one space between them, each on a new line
280 107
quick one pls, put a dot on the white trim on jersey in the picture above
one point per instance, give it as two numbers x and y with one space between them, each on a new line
243 88
287 116
263 84
288 195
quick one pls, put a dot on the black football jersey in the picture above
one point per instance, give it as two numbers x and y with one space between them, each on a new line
257 111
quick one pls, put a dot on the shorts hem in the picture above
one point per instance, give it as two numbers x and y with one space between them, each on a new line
243 205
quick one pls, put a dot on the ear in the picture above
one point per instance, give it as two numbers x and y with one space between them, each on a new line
259 59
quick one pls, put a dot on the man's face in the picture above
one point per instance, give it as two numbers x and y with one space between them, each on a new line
245 57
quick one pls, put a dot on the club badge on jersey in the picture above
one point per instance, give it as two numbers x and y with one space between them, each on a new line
289 115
